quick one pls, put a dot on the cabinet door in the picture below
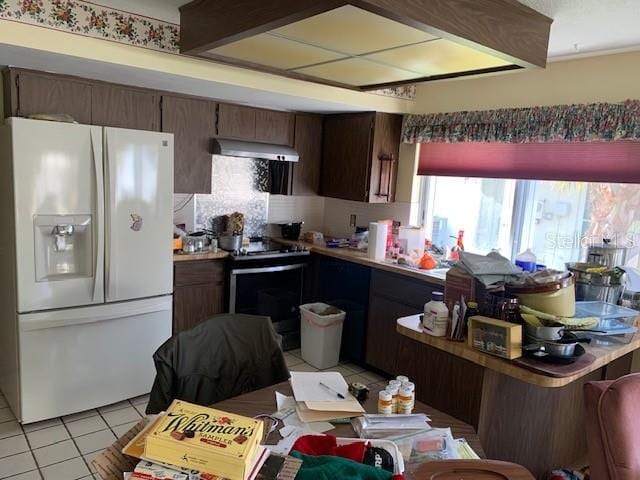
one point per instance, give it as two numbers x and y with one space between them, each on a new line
198 293
50 94
196 303
346 156
382 338
384 159
114 106
192 122
274 127
308 144
236 121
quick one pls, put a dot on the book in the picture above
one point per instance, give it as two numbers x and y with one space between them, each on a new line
204 439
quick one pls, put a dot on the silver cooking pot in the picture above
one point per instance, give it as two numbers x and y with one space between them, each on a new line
607 254
230 242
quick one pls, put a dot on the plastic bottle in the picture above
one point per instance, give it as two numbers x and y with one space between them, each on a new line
458 247
526 260
393 391
385 402
436 316
412 388
405 401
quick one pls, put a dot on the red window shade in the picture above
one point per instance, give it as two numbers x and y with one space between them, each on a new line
617 162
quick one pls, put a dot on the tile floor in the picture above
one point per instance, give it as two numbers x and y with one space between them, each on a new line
62 448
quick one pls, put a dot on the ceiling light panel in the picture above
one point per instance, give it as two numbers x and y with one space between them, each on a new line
276 52
357 72
438 57
353 31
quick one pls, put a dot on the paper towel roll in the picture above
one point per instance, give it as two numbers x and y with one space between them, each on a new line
377 240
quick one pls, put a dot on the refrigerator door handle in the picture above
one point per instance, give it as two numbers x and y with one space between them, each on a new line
96 150
109 267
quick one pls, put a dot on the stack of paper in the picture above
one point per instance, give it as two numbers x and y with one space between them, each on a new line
317 398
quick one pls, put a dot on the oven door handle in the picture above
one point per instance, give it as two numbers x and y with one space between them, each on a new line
280 268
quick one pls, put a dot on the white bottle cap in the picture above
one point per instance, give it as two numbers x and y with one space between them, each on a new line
402 378
393 389
385 395
409 385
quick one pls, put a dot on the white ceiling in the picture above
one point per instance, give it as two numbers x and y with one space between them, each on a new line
580 27
583 27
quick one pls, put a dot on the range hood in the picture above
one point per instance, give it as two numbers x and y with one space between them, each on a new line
263 151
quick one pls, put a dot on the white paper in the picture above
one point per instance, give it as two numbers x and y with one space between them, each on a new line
288 415
306 387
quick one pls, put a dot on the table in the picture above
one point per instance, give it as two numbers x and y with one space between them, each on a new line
264 402
521 416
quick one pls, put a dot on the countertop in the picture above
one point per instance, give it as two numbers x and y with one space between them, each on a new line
436 277
410 327
185 257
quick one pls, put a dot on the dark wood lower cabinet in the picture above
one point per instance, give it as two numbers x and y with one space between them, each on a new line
198 292
391 296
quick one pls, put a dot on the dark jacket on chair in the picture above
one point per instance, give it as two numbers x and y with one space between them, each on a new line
225 356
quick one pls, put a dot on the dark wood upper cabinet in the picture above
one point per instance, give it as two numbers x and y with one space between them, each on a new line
308 143
360 156
275 127
236 121
255 124
28 93
192 122
115 106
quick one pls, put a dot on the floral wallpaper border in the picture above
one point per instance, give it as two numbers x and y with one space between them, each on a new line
567 123
90 19
94 20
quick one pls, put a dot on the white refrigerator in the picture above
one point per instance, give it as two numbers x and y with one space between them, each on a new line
85 264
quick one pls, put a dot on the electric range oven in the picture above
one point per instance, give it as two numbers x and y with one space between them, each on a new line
267 278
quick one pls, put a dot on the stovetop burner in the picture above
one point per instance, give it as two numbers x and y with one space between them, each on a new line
267 248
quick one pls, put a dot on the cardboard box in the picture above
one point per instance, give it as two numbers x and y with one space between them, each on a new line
111 463
496 337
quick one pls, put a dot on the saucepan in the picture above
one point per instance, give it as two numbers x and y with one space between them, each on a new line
229 242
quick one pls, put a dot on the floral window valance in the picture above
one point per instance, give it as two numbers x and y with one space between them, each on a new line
568 123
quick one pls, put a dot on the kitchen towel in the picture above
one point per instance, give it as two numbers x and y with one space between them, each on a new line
377 240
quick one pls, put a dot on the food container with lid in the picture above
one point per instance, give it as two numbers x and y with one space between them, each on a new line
557 297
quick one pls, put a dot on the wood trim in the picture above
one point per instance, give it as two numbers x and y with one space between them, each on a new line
445 76
207 24
604 356
503 28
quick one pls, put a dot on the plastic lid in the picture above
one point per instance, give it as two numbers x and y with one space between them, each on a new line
402 378
405 392
395 382
409 385
437 296
472 304
385 395
393 389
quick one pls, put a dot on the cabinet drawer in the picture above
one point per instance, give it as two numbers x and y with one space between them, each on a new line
407 291
199 272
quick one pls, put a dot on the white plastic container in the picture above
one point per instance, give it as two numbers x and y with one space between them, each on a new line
321 335
436 316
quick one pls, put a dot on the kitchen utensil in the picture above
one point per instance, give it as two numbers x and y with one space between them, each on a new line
556 297
560 349
291 230
193 244
230 242
544 333
608 254
603 293
536 352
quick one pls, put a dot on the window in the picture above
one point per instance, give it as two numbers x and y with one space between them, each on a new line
555 219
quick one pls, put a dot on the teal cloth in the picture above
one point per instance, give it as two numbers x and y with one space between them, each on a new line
327 467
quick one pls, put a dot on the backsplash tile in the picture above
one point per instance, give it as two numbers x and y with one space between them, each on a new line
238 185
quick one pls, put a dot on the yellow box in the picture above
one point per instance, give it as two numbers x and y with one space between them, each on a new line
205 439
495 337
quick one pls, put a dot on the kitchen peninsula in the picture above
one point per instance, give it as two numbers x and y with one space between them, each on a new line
512 407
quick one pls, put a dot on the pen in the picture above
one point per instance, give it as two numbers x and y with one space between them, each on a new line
332 390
